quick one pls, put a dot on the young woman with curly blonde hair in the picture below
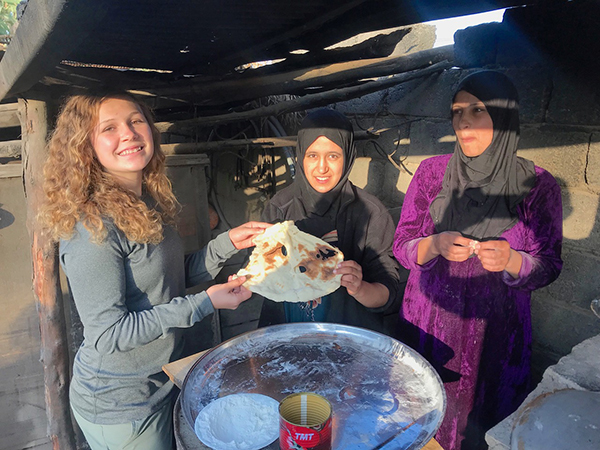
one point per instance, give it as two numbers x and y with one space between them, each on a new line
111 205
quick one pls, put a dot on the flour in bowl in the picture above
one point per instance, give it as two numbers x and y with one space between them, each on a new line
239 422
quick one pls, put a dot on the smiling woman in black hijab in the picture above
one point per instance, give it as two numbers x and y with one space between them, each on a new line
323 202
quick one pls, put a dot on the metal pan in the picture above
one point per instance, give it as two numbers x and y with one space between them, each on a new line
384 394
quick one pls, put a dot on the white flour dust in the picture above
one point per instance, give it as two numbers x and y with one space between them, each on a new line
239 422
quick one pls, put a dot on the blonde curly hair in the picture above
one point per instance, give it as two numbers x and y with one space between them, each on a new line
77 188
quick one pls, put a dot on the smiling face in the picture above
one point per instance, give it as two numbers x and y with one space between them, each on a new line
122 141
323 164
472 124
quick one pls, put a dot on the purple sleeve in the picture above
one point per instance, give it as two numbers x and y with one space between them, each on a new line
541 211
415 220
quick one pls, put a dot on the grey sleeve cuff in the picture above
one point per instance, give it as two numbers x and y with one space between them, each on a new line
221 247
202 306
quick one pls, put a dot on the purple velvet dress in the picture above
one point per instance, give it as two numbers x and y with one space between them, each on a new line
474 326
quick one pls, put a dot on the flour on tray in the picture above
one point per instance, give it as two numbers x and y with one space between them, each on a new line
239 422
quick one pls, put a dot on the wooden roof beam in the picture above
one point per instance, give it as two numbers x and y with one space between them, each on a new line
42 41
302 103
296 82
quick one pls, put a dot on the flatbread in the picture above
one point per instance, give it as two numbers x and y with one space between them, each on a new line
238 422
292 266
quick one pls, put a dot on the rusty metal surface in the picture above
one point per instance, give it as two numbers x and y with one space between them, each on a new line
384 394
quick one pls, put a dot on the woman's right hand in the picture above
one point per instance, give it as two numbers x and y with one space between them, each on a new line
229 295
451 245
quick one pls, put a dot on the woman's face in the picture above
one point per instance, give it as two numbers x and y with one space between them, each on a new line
323 164
122 140
472 124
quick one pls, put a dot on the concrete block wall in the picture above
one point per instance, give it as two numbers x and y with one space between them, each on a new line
560 131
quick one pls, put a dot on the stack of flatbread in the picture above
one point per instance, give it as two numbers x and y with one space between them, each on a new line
290 265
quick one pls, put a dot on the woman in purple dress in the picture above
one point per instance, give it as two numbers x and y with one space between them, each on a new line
479 230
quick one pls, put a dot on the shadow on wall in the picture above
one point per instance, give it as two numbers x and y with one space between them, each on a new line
559 329
6 218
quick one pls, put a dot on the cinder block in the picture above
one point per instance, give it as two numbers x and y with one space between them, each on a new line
592 173
515 49
430 138
390 195
558 326
577 285
404 178
563 154
401 180
367 174
429 97
573 101
476 46
581 219
360 172
369 104
534 87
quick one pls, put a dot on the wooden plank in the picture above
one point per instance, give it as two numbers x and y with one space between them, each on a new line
330 75
8 116
432 445
200 147
13 170
42 41
177 370
11 149
186 159
263 142
46 281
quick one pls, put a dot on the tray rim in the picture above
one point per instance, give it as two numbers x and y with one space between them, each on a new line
312 328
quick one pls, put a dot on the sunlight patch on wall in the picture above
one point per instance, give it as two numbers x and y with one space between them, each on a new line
580 212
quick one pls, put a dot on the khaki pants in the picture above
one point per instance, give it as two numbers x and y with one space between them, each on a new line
152 433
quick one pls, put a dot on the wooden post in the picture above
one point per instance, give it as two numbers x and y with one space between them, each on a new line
54 353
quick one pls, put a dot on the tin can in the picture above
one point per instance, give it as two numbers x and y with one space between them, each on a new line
305 422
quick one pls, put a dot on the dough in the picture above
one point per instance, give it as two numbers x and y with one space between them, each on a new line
239 422
292 266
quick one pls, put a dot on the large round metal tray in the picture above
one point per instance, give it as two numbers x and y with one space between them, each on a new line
384 394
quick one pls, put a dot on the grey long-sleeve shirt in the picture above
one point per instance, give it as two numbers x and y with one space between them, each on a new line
132 303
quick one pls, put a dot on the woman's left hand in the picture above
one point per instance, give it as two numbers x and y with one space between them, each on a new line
494 255
243 236
352 276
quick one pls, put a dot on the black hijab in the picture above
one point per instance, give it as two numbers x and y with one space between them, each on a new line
321 210
480 195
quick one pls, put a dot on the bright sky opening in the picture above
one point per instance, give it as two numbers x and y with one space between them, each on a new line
445 28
